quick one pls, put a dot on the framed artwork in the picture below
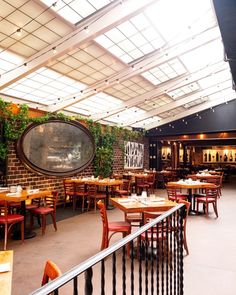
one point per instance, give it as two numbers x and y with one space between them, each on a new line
134 154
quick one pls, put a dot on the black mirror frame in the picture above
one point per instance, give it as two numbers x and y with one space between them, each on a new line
33 168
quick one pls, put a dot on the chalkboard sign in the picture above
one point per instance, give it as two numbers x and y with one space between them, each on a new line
56 147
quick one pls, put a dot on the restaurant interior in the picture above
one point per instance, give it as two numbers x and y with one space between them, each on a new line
117 147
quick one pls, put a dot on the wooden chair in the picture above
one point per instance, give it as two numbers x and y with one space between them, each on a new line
49 207
79 193
8 220
151 181
94 195
111 227
175 194
69 190
210 197
141 184
51 272
124 189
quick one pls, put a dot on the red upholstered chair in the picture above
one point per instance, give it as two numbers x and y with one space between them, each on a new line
8 220
111 227
49 207
94 195
210 197
124 189
175 194
51 272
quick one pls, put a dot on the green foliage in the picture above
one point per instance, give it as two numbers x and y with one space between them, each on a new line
3 150
105 138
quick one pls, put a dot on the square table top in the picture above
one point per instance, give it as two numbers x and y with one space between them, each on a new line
135 205
24 195
6 277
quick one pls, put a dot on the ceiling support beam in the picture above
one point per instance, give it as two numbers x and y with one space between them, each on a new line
152 60
178 103
103 20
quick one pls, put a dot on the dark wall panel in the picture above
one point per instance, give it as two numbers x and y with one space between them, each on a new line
219 119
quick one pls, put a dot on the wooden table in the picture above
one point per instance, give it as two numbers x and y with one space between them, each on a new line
22 197
189 186
99 182
203 176
6 277
135 206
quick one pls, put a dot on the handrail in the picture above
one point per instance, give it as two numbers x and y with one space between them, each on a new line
83 266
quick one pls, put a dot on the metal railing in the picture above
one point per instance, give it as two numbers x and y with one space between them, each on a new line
148 261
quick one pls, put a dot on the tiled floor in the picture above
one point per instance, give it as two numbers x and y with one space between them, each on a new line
209 269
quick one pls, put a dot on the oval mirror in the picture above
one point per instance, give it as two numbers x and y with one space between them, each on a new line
56 147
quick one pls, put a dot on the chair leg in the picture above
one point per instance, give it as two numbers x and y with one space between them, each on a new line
5 237
215 208
207 209
43 224
89 201
22 231
185 243
197 207
54 220
83 204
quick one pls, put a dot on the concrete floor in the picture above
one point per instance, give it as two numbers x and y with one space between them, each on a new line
209 269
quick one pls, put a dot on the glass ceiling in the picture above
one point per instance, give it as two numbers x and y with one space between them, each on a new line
134 73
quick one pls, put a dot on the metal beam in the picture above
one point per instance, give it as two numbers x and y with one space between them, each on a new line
177 103
111 15
161 89
152 60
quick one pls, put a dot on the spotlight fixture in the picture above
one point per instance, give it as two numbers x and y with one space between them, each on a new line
186 123
117 81
86 29
19 32
54 50
25 64
106 82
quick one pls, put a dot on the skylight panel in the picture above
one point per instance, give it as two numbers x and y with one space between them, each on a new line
139 32
164 72
83 7
100 102
187 17
145 122
183 90
203 56
214 79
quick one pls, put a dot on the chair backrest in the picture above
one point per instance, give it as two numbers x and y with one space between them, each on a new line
151 177
69 186
126 185
79 188
103 213
187 205
172 192
51 200
211 192
51 272
92 190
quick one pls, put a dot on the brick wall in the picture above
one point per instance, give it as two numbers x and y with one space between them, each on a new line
18 174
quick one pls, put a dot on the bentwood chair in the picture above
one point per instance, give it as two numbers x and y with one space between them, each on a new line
69 190
8 220
51 272
49 207
210 197
141 184
111 227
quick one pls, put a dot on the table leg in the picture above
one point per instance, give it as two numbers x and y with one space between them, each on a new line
108 206
28 233
191 201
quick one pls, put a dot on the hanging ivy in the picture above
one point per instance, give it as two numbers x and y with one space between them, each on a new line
16 118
